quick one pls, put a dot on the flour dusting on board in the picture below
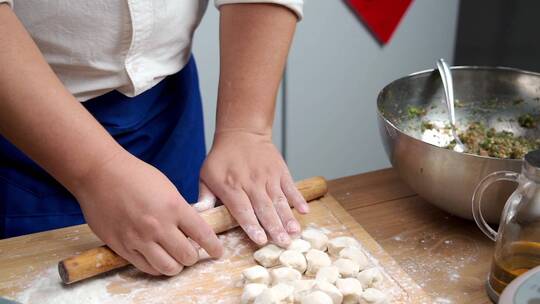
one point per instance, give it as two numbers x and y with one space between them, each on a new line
210 281
132 286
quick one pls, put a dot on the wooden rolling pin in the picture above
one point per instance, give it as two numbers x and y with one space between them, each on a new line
102 259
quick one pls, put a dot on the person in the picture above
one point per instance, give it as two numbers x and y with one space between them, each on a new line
101 120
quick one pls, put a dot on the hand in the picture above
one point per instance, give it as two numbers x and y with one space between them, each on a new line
140 215
247 173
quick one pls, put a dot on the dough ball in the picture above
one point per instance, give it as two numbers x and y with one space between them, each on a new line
256 274
265 297
268 256
251 291
371 277
373 296
316 238
335 245
301 289
355 254
299 245
317 297
283 292
351 289
347 268
328 273
285 275
279 294
293 259
330 290
315 260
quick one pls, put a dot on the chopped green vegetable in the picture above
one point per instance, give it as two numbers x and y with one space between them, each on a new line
485 141
426 125
414 111
527 121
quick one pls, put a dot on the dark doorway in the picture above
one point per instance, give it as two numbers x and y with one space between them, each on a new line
499 33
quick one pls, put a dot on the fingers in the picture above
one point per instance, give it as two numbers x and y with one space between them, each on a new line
140 263
195 227
267 215
203 255
240 207
159 259
135 258
207 199
283 209
179 247
294 196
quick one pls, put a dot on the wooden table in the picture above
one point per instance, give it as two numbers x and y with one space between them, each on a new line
448 256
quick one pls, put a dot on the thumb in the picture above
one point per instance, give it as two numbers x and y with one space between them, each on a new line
207 199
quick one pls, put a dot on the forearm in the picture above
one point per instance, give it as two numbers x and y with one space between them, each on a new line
40 116
254 43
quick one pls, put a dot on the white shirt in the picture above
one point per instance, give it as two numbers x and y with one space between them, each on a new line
102 45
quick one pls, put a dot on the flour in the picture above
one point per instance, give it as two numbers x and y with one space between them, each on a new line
209 281
444 263
131 286
48 286
440 300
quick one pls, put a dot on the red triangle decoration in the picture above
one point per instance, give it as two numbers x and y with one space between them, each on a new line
380 16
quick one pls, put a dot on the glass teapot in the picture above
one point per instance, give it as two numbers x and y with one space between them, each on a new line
517 240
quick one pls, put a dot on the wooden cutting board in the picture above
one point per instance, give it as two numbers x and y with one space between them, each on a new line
28 267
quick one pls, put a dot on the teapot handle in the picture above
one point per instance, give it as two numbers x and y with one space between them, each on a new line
477 199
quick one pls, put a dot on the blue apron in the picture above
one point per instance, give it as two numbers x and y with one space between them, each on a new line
162 126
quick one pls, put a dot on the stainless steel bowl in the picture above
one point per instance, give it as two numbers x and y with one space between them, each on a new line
447 179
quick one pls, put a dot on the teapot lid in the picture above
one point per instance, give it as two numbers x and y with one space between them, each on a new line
531 165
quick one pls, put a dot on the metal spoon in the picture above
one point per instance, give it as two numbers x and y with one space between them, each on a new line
446 77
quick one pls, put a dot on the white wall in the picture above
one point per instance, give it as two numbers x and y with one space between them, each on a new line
335 71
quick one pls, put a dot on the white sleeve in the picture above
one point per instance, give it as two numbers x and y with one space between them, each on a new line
294 5
9 2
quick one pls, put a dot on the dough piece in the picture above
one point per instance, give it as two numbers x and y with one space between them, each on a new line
256 274
285 275
283 293
293 259
301 289
299 245
371 277
355 254
373 296
268 256
279 294
330 290
251 291
316 238
335 245
328 274
351 289
317 297
266 297
315 260
347 268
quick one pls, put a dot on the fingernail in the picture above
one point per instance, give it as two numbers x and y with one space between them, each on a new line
293 226
304 208
284 239
259 237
